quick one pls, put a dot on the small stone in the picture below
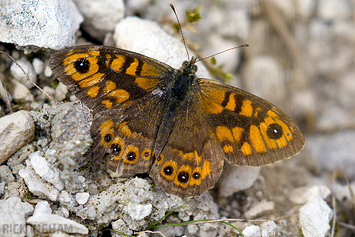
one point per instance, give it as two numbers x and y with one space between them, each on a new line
252 231
38 186
120 226
38 65
16 130
2 188
43 207
100 17
236 178
82 198
138 211
61 92
40 23
12 217
334 9
268 228
20 92
192 229
302 195
42 168
314 217
48 223
260 208
27 209
6 174
47 71
161 45
64 211
19 75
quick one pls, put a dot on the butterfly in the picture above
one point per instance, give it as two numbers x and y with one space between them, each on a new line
178 128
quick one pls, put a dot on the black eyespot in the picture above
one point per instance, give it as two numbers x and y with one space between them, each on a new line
108 138
183 177
146 154
131 156
274 131
168 170
159 158
116 149
82 65
196 175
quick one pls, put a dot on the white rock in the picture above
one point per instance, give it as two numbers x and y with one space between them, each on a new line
16 130
41 23
38 186
342 191
120 226
82 198
42 168
19 75
262 75
336 151
157 43
236 178
6 174
27 208
259 209
100 16
302 195
64 211
38 65
216 43
42 207
268 228
314 217
12 218
305 8
2 188
236 24
47 71
334 9
20 92
48 223
138 211
252 231
66 199
192 229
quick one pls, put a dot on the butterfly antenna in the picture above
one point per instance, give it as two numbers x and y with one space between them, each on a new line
239 46
182 35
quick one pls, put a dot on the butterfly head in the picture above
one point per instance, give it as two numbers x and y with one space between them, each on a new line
189 67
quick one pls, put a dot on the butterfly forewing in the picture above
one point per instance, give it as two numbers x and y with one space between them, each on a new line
122 90
251 130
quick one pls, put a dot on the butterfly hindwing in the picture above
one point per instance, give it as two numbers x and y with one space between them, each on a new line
192 160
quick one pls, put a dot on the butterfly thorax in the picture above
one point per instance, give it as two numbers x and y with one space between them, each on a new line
184 77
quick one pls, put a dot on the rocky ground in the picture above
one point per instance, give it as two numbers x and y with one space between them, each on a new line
300 58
